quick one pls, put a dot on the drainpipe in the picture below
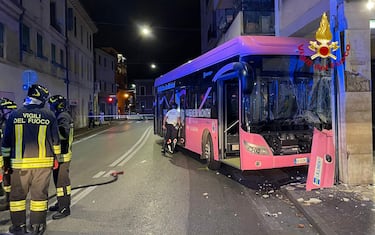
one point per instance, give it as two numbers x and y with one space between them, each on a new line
20 20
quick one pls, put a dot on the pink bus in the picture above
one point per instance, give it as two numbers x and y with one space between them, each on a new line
252 103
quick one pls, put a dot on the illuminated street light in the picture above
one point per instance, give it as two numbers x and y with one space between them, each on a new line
370 4
145 31
153 66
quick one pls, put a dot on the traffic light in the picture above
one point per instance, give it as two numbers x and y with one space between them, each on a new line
110 100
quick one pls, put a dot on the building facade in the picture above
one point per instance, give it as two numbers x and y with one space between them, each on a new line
350 24
53 38
105 85
144 96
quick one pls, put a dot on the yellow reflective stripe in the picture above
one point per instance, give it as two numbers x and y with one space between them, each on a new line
5 151
27 163
7 188
64 157
42 141
57 149
18 139
15 206
60 192
68 190
1 161
38 205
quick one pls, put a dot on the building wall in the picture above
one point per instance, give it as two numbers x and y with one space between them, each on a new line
105 65
80 62
35 15
145 96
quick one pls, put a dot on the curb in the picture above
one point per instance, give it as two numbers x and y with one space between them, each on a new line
315 219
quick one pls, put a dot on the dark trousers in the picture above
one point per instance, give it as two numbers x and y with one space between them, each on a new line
91 122
35 181
62 182
6 182
170 135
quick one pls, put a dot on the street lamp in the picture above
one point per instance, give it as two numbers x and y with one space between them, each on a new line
153 66
370 4
145 31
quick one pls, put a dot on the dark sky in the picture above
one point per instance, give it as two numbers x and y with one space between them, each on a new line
175 25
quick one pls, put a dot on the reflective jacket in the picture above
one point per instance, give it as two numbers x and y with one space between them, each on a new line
65 123
31 138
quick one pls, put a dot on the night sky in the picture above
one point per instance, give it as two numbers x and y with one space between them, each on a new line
175 25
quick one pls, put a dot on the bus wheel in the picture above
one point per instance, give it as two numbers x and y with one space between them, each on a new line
208 154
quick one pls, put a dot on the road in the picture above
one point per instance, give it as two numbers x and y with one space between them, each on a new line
161 195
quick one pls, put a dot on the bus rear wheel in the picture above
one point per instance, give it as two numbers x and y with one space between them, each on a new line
208 154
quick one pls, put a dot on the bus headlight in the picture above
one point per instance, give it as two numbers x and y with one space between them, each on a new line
256 149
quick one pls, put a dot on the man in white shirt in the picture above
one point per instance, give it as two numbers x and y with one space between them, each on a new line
171 123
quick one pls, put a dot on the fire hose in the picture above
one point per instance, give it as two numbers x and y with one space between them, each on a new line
113 174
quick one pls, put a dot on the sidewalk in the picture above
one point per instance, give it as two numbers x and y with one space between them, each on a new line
338 210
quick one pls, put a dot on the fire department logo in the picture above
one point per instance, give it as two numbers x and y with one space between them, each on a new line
323 45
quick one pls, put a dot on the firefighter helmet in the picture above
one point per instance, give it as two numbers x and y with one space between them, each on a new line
6 103
38 92
57 103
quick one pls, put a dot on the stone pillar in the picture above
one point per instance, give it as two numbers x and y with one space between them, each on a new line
355 126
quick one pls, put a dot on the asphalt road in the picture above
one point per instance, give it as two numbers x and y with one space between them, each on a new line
161 195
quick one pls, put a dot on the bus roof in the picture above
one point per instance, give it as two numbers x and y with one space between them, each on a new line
239 46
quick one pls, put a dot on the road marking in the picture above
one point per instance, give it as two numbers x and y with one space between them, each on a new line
134 148
137 149
99 174
88 137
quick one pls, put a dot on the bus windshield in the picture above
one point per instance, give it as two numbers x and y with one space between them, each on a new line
288 94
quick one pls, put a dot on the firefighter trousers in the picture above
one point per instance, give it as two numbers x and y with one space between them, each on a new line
62 182
35 181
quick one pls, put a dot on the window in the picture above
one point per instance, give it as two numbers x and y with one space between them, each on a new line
99 59
142 90
70 19
1 40
105 62
75 26
62 57
81 34
26 38
53 53
39 46
90 41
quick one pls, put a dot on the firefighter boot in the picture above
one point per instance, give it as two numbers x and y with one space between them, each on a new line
18 229
61 214
54 207
38 229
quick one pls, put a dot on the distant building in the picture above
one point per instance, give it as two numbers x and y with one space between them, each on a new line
105 85
54 39
144 96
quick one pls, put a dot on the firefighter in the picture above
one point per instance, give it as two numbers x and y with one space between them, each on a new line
30 143
58 105
171 124
6 106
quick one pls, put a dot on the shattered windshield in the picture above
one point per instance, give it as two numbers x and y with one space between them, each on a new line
288 93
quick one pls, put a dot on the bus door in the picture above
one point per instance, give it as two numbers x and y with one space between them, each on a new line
230 123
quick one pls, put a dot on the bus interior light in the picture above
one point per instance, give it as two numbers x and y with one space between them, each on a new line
256 149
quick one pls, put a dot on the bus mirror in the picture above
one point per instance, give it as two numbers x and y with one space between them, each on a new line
246 75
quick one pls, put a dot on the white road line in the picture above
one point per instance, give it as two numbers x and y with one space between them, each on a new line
136 150
135 146
99 174
88 137
82 195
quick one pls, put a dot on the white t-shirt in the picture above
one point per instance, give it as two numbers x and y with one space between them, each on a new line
172 116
